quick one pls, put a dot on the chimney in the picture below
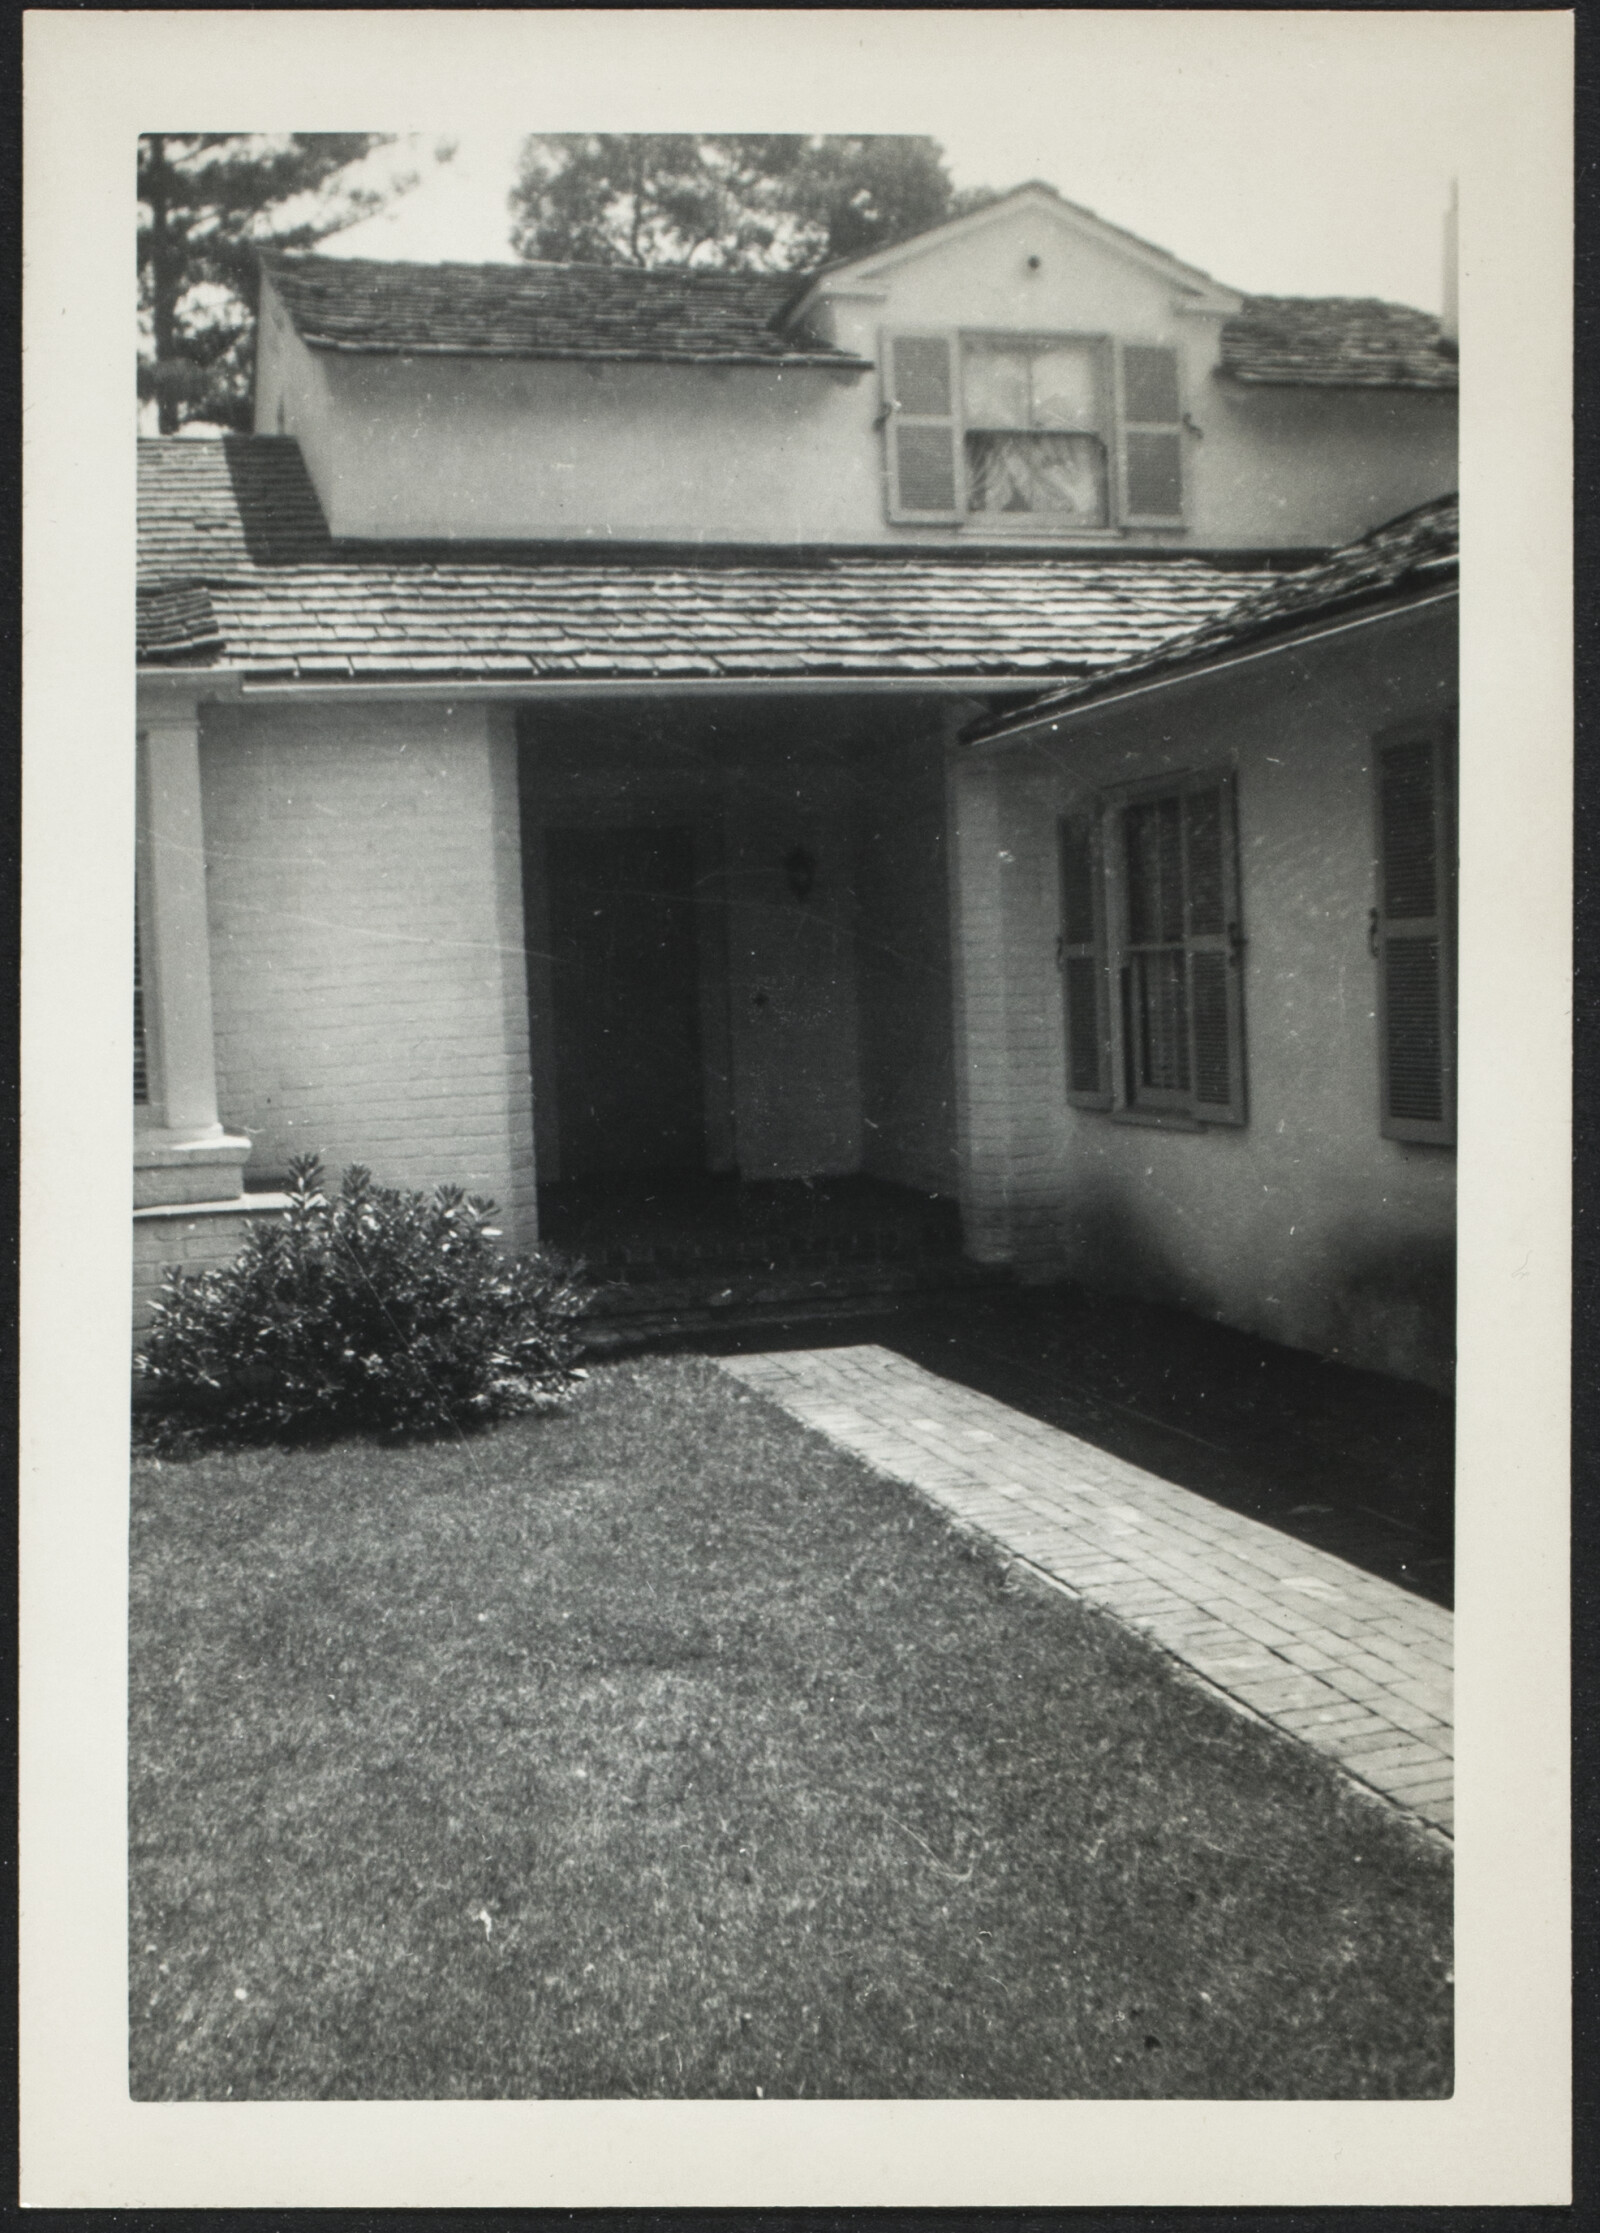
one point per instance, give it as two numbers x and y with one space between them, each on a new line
1449 330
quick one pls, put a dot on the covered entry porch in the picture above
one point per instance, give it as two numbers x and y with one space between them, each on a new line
741 991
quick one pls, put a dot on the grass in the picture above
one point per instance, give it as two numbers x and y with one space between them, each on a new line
659 1749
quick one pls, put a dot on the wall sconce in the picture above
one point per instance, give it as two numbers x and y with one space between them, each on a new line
800 871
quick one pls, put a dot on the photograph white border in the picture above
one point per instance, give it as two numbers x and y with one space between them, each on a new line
93 80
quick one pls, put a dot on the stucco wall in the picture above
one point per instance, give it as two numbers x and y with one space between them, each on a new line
903 961
294 395
618 453
455 447
1296 467
1305 1226
366 943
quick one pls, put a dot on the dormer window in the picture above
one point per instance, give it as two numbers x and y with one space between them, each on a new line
1049 431
1034 417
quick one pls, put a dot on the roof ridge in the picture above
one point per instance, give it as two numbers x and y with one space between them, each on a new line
314 259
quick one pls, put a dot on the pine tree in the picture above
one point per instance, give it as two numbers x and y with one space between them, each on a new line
208 201
730 201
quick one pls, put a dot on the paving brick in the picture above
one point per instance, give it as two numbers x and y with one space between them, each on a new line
1352 1666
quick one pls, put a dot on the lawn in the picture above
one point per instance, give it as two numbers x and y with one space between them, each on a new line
659 1749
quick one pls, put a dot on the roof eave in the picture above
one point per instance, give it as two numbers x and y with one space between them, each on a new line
1238 377
1140 681
785 361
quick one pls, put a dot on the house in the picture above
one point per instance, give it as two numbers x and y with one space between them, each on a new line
551 718
1208 964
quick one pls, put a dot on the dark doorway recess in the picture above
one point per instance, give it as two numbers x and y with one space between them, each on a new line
629 1084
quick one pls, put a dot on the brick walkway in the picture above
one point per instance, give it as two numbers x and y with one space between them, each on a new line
1349 1664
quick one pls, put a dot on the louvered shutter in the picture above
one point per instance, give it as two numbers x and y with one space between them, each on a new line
1083 966
141 1062
1415 937
1213 939
1152 433
922 427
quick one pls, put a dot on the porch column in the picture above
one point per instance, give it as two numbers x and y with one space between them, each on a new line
181 1151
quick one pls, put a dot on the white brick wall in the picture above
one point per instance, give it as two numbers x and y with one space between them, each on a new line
368 974
985 1099
903 960
1305 1225
193 1241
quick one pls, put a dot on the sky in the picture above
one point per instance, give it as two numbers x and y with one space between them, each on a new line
1305 154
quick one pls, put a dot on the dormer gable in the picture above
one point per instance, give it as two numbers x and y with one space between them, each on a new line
1038 367
1033 213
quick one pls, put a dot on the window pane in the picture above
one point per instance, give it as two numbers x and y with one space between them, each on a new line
1161 1036
1155 880
1155 476
927 468
922 375
1150 386
1065 389
1061 474
994 385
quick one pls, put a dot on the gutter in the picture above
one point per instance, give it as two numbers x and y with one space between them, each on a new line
1292 640
557 687
790 361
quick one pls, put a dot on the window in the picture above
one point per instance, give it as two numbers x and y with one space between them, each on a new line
1014 429
1414 932
1150 912
1033 416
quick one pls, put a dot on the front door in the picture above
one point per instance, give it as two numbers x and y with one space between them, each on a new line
629 1086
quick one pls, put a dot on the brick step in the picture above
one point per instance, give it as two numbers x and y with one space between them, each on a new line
625 1313
735 1259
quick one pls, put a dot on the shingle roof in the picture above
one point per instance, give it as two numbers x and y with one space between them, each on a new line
1335 341
545 310
1406 556
614 312
176 620
208 508
238 518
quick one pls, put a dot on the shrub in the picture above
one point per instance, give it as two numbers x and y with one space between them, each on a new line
370 1309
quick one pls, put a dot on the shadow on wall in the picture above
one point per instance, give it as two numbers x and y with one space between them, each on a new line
1392 1305
1383 1304
1110 1245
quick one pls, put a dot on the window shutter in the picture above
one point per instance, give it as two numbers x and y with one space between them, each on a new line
1152 434
920 397
1216 1010
141 1061
1083 966
1414 922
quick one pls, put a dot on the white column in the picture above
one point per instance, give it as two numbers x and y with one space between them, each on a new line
181 1152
